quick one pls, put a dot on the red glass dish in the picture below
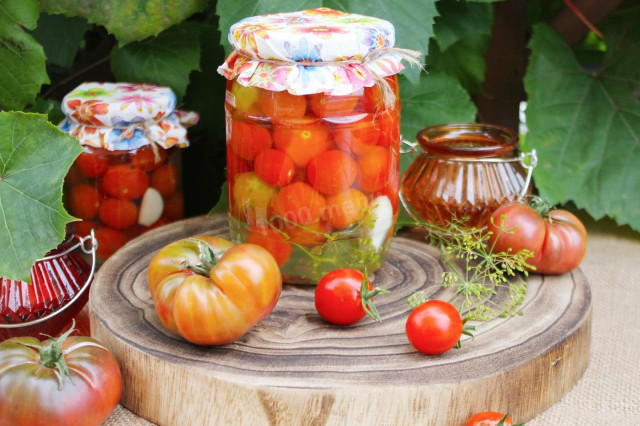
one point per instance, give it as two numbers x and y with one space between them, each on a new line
56 294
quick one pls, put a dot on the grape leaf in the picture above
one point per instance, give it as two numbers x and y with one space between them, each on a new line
22 60
60 37
34 158
459 20
127 20
585 123
413 19
165 60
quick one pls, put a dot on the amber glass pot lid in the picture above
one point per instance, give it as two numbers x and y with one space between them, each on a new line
467 140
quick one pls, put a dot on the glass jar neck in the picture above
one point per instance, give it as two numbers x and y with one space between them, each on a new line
471 140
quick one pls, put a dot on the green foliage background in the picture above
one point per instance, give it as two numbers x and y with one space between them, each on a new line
583 112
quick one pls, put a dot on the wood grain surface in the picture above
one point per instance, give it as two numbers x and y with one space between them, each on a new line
293 368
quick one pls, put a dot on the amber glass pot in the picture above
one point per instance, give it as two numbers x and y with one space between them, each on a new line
464 171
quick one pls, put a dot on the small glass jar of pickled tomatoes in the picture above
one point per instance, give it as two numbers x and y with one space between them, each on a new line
127 180
313 139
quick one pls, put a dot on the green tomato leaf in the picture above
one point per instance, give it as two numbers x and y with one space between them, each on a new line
34 158
127 20
585 124
61 37
166 60
413 19
22 60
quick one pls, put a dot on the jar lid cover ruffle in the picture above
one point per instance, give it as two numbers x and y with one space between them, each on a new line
275 52
124 116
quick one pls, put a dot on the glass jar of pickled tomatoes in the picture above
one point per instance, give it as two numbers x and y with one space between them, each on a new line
313 139
463 172
127 180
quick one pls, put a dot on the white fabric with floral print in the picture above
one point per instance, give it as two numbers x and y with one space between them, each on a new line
124 116
274 52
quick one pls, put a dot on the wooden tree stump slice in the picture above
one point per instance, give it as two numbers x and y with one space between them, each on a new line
293 368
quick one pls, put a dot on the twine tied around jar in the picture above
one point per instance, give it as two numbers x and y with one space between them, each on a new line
127 131
388 95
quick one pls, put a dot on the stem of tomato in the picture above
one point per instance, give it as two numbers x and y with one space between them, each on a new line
51 355
366 296
208 260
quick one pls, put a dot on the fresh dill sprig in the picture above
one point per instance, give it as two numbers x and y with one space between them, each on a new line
477 273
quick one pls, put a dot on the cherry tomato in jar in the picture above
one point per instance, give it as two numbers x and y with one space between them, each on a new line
109 241
124 181
489 418
301 141
434 327
92 165
272 241
247 140
344 296
148 159
357 138
374 169
557 238
65 381
274 167
325 105
346 208
332 172
84 201
211 292
299 203
117 213
165 179
282 105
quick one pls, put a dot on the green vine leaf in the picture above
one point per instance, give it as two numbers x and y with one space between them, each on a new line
585 123
60 37
461 39
166 60
22 59
34 158
128 20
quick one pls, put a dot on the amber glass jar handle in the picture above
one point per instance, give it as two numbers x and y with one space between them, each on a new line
82 244
529 160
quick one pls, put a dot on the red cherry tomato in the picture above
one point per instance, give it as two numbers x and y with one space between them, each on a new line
109 240
274 167
174 206
434 327
125 181
84 201
559 241
117 213
339 297
489 418
325 105
332 171
302 141
147 159
92 165
375 169
346 208
248 140
357 138
299 203
272 241
283 104
165 179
